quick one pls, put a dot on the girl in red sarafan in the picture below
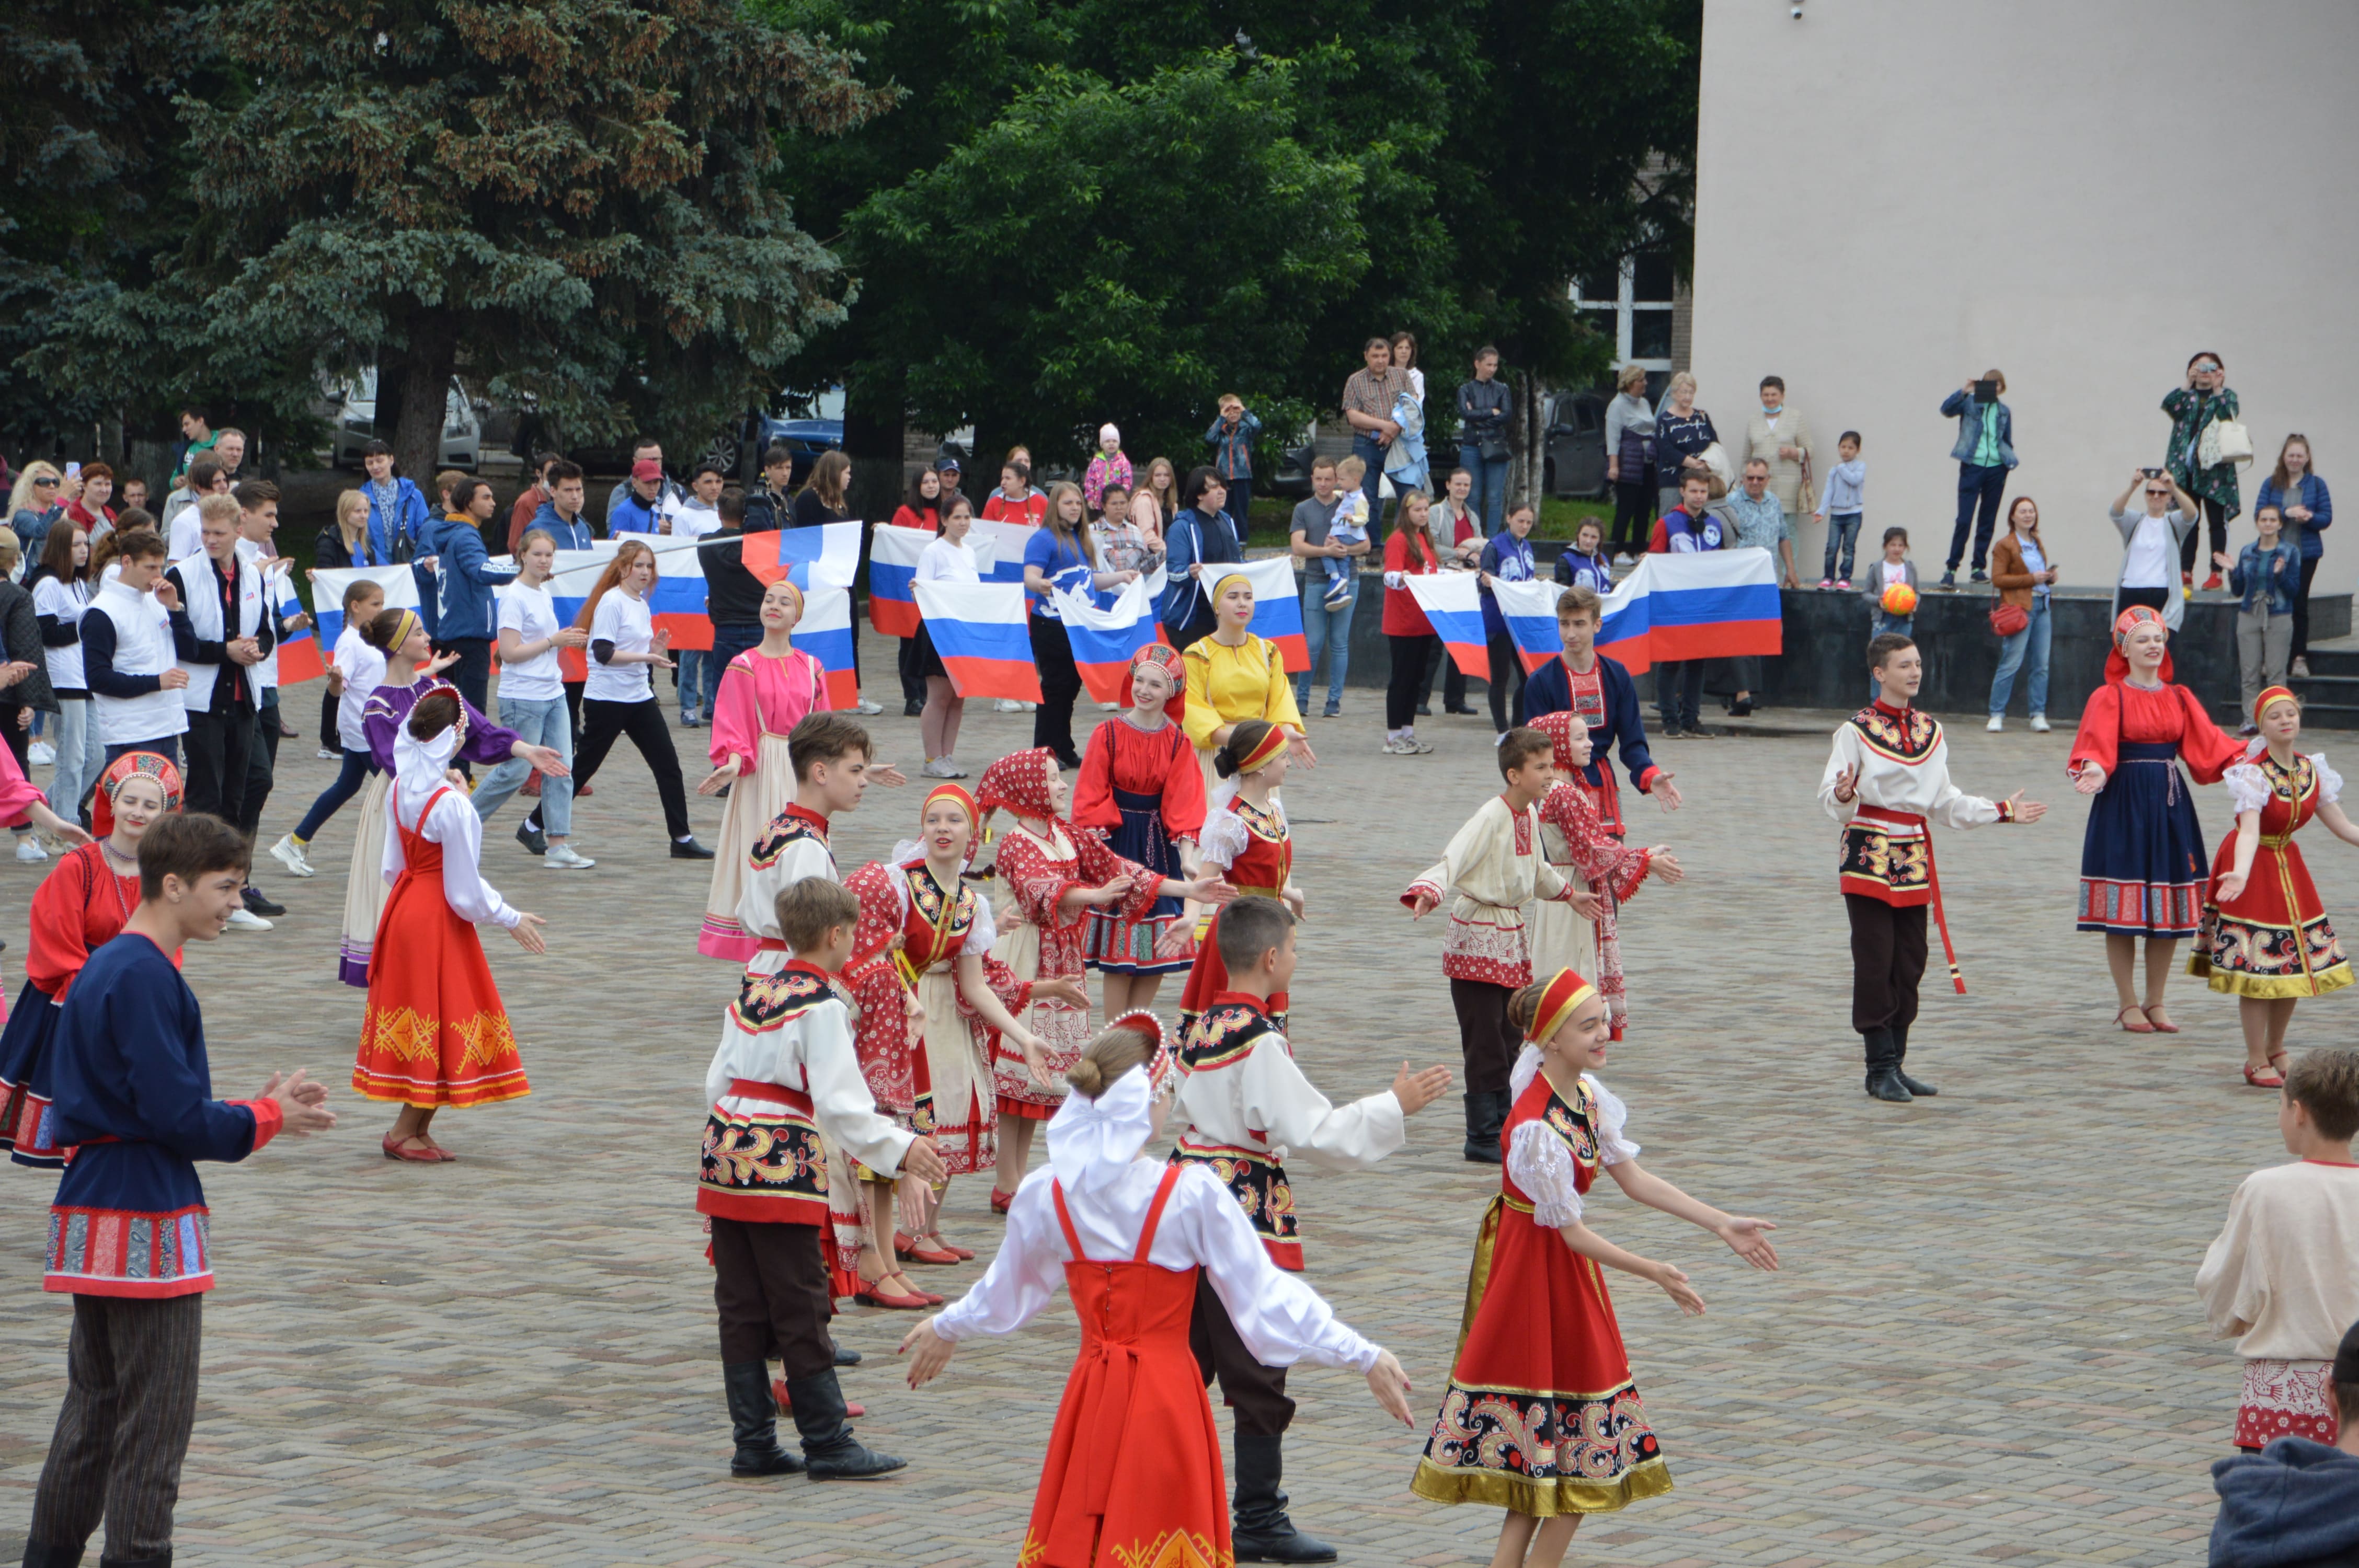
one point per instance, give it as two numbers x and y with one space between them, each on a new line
1574 838
2142 862
2266 936
1054 876
1541 1417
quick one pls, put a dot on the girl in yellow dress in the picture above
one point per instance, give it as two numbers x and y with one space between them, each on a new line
1232 675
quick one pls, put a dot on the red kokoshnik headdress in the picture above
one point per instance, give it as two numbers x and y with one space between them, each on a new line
2117 663
131 765
1168 658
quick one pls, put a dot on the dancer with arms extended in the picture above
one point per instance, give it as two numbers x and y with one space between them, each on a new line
1133 1472
1541 1416
1246 843
2142 862
1886 780
1245 1110
1575 841
2266 936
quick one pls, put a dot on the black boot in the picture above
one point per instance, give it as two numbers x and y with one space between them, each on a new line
1882 1068
845 1355
1900 1063
832 1453
1487 1112
163 1561
1264 1534
754 1422
39 1555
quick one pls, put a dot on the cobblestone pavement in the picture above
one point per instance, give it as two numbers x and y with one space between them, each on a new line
1983 1345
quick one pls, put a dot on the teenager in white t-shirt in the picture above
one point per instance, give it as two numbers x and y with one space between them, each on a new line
619 699
358 669
946 558
532 703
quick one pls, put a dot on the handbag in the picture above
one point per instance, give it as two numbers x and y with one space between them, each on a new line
2007 619
1714 459
2224 442
1492 449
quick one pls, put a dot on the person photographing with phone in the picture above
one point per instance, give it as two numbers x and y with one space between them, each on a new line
1985 453
2148 538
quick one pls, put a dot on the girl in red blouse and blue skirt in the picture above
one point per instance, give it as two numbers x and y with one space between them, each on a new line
2266 935
1541 1417
2142 861
1141 790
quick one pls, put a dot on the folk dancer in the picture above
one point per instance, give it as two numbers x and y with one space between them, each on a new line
1576 842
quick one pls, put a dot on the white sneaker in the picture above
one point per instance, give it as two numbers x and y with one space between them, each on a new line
864 706
2039 724
1998 723
325 755
29 847
246 919
1007 705
41 754
1621 557
289 854
1396 747
941 768
562 858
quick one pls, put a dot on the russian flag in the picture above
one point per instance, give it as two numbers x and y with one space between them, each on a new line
1530 611
399 585
893 567
1007 541
1104 638
297 652
824 557
1715 604
1453 601
825 634
979 630
1277 607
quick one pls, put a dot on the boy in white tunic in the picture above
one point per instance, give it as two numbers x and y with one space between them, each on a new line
1886 778
784 1073
1246 1107
831 773
1497 864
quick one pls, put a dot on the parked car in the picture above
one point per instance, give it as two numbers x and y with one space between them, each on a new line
1576 445
352 413
804 426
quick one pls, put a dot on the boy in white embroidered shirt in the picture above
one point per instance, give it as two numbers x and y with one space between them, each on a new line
784 1073
1496 864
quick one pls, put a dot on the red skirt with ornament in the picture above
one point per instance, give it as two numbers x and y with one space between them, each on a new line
2284 1399
435 1034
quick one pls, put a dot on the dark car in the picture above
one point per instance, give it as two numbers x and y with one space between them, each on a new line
1576 445
739 452
1292 479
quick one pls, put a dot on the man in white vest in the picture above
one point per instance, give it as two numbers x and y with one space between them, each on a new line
127 656
220 631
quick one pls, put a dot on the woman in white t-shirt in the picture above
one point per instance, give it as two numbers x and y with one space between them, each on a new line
619 699
948 558
532 702
2150 539
60 595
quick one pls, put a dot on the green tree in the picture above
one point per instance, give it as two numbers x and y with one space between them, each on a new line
573 199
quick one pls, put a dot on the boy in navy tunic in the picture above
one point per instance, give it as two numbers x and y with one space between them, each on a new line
128 1233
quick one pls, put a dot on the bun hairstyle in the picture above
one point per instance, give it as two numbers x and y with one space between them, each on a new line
1247 735
1524 1007
435 712
381 632
1107 1057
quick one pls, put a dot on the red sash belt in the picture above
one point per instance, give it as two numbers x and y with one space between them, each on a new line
795 1100
1932 877
771 945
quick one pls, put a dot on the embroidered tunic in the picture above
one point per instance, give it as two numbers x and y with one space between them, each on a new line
794 846
1904 783
1541 1414
2273 940
80 907
2282 1279
1496 868
1246 1108
1143 792
1253 849
135 1095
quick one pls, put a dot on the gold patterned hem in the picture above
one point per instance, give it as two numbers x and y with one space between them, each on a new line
1541 1499
440 1097
2272 987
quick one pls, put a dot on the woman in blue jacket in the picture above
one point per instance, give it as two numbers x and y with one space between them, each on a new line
2301 500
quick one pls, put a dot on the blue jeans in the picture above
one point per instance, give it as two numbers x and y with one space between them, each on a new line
1878 623
1978 488
730 638
1842 528
1489 496
2031 640
357 767
1328 629
697 680
81 758
1364 448
537 721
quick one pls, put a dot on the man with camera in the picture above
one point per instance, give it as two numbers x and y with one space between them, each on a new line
1985 452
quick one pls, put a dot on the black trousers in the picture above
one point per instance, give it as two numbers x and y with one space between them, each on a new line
2215 517
1453 679
1485 1040
1506 677
217 745
1887 960
131 1401
1060 685
769 1287
1409 678
261 766
329 738
1257 1393
473 674
603 722
906 661
2301 609
1632 504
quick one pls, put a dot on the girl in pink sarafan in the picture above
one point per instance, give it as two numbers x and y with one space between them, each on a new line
2282 1277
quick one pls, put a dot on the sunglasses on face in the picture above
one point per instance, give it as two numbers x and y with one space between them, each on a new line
44 482
2159 494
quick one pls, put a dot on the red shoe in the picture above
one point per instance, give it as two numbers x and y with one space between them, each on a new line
786 1406
2212 584
960 1253
2268 1078
393 1151
923 1253
904 1244
999 1201
584 792
870 1295
532 784
2140 1027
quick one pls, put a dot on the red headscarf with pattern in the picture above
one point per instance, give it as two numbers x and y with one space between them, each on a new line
1169 657
1561 728
126 767
1019 783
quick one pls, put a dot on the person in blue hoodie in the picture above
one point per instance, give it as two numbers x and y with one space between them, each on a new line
400 527
470 610
2296 1503
561 516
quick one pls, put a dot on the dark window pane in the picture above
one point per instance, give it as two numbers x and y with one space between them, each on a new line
1601 322
1650 334
1651 278
1602 287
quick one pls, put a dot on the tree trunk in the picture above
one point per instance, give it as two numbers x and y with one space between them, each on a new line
424 391
1528 442
872 439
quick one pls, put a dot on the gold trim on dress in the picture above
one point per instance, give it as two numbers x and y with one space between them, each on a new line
1541 1499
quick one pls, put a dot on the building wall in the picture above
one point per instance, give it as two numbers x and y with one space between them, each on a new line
1893 197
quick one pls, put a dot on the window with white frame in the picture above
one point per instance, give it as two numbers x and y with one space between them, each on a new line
1630 306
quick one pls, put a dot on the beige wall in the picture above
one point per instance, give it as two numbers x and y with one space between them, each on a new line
1894 194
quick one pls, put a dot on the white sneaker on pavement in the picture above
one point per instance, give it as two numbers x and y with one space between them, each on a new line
1998 723
289 854
246 919
562 858
41 753
1007 705
864 706
939 768
2039 724
28 848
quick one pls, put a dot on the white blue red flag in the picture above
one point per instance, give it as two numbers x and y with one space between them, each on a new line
979 630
